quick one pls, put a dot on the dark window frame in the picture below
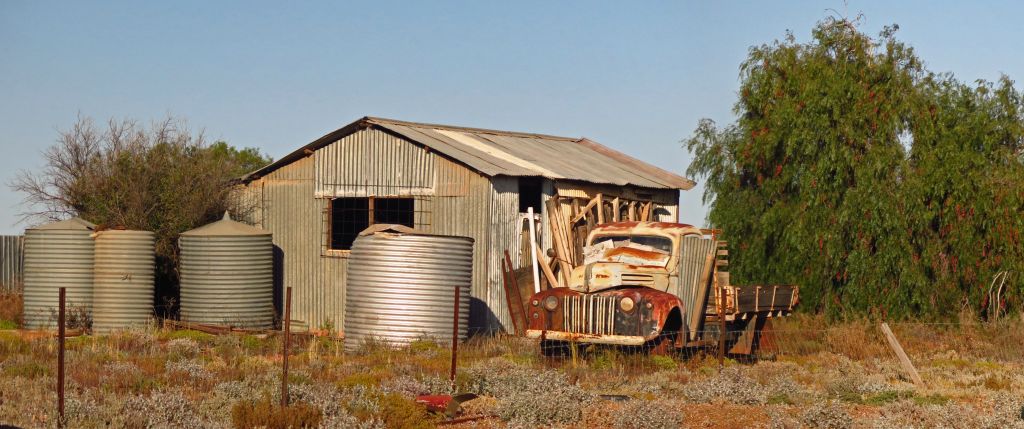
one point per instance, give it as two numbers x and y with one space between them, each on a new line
378 210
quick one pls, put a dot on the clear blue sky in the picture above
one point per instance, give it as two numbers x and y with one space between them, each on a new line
276 75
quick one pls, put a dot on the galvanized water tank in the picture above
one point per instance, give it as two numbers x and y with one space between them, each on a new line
58 254
227 275
123 279
401 286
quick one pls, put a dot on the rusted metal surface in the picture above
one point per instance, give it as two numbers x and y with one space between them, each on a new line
599 317
512 296
591 309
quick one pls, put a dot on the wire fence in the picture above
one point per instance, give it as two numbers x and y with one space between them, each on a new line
792 342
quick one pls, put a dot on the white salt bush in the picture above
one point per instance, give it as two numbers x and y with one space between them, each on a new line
729 385
655 414
529 397
826 415
191 369
161 410
182 348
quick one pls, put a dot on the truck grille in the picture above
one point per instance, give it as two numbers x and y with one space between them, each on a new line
589 314
637 279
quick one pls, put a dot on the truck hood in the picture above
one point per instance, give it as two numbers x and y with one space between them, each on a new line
598 276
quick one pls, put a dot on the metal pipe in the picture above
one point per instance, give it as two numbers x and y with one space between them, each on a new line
60 359
533 249
287 341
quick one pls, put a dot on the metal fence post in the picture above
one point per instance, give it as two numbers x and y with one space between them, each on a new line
721 325
455 337
60 359
287 340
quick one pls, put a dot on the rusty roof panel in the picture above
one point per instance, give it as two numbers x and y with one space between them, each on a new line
509 153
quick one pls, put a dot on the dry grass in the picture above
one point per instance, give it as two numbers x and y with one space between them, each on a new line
840 376
10 310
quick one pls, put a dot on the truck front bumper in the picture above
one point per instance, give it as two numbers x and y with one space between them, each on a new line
618 340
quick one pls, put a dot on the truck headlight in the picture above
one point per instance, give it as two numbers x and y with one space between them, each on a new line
626 304
550 303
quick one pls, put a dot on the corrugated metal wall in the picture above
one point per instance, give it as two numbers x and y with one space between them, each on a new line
505 235
12 262
373 163
291 202
462 206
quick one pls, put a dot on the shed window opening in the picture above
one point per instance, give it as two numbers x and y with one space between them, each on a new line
350 216
530 193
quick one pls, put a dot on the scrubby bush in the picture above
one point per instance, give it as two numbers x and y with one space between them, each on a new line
270 415
729 385
530 396
182 348
161 410
189 369
827 415
655 414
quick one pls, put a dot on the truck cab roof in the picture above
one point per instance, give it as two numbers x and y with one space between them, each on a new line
639 228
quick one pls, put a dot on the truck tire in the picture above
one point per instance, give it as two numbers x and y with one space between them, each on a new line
664 344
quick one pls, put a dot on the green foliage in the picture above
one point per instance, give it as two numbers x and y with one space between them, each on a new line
163 179
877 186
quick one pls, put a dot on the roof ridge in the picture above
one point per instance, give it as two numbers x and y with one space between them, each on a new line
377 120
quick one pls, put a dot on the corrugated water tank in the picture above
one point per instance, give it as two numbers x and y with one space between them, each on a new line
58 254
401 286
123 279
227 275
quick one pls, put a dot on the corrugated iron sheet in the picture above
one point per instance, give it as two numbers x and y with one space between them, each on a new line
495 153
123 277
227 275
402 288
519 154
12 263
451 199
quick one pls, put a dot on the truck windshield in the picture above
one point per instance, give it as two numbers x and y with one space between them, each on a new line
656 243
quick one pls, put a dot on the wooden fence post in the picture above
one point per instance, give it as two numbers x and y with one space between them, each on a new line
904 360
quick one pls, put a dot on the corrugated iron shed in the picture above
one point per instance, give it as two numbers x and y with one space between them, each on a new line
508 153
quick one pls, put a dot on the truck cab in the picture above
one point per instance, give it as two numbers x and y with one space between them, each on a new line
654 284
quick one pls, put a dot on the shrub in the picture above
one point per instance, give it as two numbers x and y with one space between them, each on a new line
528 396
179 348
729 385
189 369
264 413
826 416
161 409
656 414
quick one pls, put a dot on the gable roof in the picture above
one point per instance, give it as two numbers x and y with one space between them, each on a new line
509 153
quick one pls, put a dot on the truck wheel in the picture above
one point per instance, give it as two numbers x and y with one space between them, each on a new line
554 348
664 344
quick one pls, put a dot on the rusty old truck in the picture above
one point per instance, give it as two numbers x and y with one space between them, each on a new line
657 286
